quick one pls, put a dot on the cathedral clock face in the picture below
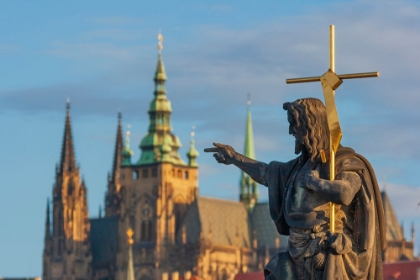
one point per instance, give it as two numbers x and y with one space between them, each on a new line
146 211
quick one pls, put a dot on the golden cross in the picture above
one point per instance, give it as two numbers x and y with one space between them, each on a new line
330 81
160 42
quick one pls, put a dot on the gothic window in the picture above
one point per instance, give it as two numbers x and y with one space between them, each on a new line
150 231
224 274
145 173
144 216
154 172
180 210
135 174
146 211
143 231
70 188
185 174
179 174
146 231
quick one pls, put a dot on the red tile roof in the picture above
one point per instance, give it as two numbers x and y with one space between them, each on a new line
406 270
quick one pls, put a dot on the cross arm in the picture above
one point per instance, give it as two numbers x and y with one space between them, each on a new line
342 77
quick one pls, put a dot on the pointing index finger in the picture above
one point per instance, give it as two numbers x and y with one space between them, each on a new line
211 150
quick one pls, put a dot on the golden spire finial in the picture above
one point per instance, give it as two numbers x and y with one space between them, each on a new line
127 133
160 42
130 234
192 131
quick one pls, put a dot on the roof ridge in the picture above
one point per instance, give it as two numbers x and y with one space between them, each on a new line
219 199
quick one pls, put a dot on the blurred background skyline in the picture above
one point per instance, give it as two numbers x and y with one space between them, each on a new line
103 57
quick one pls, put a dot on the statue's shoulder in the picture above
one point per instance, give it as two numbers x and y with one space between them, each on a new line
278 164
281 168
348 160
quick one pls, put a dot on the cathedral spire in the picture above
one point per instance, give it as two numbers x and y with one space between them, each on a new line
69 237
112 197
412 233
47 222
249 188
160 145
68 159
117 151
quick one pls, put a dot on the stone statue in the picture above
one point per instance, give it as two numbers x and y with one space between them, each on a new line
299 199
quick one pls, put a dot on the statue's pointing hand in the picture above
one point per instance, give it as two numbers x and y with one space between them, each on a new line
223 153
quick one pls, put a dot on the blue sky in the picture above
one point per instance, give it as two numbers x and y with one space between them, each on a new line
103 56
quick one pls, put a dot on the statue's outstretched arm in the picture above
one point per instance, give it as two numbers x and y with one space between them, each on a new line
255 169
340 191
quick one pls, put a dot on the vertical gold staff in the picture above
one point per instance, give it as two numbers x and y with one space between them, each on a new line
330 81
332 152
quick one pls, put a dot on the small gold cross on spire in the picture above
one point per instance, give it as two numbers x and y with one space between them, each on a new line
160 42
192 132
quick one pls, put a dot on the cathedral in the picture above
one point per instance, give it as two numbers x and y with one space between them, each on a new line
156 224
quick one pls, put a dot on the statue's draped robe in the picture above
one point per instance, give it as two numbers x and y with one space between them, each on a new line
356 257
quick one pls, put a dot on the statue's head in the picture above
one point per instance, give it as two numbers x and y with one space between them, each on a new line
308 123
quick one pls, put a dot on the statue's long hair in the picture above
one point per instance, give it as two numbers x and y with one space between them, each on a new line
311 117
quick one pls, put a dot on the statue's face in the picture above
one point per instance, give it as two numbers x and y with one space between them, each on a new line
297 133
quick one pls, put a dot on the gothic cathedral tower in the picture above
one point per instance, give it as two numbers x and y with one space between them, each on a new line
156 191
67 249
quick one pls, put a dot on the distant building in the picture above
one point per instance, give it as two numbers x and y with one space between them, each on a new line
397 247
177 232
